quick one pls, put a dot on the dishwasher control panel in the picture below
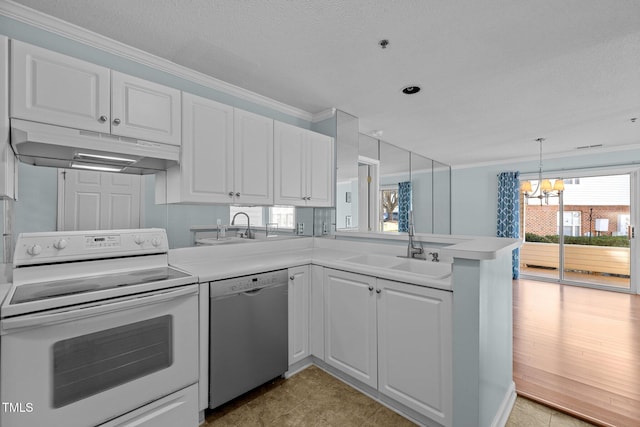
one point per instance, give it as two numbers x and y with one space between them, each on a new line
250 283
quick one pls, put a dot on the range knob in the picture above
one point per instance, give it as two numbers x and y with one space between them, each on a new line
60 244
138 239
34 250
155 242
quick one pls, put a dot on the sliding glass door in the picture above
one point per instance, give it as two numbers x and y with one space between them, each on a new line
584 236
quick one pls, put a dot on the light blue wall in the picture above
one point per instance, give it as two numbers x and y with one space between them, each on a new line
474 191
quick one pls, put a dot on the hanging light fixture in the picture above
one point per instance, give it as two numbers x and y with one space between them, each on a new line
544 188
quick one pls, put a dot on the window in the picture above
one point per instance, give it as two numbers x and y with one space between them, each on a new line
282 216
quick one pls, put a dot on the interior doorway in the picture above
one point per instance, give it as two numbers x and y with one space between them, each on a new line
585 236
89 200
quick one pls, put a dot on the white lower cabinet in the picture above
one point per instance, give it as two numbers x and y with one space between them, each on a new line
350 325
299 288
415 347
392 336
177 409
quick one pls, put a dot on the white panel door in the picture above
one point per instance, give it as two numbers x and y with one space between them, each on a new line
207 151
415 348
144 110
98 200
253 158
350 324
320 173
49 87
290 165
299 288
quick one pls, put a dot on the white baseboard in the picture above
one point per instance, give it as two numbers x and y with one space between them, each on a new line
502 416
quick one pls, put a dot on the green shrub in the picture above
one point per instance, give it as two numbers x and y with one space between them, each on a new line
617 241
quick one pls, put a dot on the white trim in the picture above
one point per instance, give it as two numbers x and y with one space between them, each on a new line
582 172
323 115
73 32
502 416
572 153
60 220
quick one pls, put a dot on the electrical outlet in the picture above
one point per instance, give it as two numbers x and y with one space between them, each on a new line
301 228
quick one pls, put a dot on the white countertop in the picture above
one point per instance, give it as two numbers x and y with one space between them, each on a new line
212 263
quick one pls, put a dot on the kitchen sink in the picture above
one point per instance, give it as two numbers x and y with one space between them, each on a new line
435 270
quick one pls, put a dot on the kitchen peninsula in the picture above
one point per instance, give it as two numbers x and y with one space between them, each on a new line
448 324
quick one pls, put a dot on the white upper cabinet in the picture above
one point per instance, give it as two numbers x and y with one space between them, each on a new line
7 158
303 164
144 110
253 158
205 174
57 89
227 156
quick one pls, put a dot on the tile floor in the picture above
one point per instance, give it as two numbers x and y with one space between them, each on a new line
315 398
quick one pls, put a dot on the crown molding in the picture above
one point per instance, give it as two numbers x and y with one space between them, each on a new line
571 153
76 33
323 115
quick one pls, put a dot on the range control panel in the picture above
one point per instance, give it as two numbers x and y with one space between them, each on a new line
243 284
62 246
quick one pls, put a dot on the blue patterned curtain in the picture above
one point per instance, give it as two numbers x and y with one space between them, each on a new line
509 212
404 205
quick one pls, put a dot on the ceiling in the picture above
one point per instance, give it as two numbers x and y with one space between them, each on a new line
495 74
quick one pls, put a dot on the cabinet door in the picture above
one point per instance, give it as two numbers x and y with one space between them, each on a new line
290 165
350 324
299 287
52 88
7 158
144 110
206 165
253 158
415 348
320 173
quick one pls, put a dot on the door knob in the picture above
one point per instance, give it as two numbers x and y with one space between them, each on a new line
116 121
237 194
378 291
370 288
103 118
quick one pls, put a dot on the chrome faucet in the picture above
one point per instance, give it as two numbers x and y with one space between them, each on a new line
248 234
412 249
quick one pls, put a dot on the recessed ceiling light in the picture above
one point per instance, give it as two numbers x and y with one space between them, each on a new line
384 43
410 90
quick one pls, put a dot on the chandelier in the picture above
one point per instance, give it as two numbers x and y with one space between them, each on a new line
544 188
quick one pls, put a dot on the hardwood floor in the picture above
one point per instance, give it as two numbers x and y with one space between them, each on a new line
578 350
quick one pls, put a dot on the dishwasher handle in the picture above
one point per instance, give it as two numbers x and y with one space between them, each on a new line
96 309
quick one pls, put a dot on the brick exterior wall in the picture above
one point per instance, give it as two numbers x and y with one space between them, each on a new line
543 220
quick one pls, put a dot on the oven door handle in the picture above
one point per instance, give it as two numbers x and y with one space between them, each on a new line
43 319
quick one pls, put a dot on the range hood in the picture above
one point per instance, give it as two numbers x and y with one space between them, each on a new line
41 144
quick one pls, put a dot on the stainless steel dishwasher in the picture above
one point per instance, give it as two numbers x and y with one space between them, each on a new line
248 329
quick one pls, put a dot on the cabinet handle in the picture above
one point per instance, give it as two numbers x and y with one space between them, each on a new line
116 121
370 288
292 278
378 291
237 194
230 193
103 118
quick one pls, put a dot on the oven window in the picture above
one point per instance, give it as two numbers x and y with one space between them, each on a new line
89 364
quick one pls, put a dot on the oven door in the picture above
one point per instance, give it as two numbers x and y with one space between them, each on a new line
84 365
